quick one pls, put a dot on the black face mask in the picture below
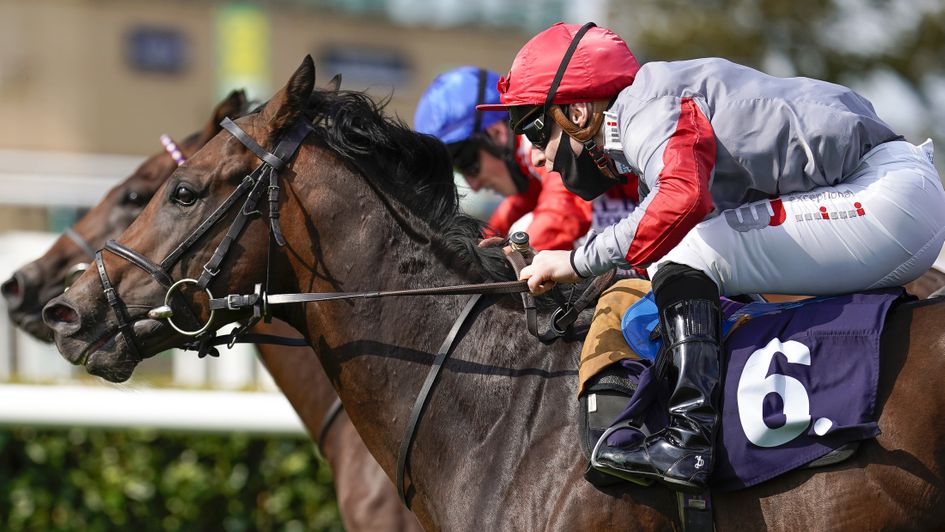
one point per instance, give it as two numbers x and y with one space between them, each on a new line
580 175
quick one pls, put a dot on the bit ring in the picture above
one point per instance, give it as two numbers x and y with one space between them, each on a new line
170 321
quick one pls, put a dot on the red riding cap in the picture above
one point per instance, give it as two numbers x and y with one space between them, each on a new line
601 66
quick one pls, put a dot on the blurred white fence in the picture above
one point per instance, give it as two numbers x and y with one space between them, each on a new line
43 179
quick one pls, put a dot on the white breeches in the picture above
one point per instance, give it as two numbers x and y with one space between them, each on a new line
882 226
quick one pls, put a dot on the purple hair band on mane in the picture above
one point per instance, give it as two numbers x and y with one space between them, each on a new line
172 149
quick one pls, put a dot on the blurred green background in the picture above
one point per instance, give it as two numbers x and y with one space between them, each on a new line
83 479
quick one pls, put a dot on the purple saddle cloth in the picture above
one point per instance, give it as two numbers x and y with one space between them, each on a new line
800 381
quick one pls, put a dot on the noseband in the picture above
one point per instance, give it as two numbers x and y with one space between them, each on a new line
263 178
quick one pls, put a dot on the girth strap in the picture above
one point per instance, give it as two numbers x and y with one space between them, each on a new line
403 456
327 421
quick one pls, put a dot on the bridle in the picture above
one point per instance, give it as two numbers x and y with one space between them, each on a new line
264 178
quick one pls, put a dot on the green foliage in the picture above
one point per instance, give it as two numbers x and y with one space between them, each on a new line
141 480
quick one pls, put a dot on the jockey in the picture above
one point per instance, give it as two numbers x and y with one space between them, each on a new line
749 184
489 156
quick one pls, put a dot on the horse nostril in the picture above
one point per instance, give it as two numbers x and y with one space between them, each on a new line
60 314
12 290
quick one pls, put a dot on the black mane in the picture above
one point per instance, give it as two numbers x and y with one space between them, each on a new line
413 168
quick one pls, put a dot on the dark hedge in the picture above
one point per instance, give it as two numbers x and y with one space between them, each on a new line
141 480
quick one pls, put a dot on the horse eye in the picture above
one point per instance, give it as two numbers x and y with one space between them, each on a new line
184 196
135 198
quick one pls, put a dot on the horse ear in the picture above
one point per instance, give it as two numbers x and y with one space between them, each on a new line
232 106
288 104
333 84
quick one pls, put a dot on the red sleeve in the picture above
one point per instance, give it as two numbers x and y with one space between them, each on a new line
682 198
560 217
512 208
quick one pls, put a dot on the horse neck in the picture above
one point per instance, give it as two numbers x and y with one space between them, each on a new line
377 352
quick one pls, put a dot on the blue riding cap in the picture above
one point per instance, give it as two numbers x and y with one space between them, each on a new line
447 109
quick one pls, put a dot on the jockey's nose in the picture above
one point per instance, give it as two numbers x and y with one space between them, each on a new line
538 158
474 183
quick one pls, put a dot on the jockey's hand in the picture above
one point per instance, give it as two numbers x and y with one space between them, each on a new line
548 268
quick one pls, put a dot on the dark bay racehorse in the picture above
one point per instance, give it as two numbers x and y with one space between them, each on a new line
366 498
367 204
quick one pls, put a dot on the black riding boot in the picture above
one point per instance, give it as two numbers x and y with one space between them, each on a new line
682 453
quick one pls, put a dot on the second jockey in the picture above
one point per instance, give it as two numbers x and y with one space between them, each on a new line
749 183
489 156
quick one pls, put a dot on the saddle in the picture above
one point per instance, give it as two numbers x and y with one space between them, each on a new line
836 334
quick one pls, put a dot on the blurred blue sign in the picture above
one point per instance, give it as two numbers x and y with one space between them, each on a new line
153 49
366 65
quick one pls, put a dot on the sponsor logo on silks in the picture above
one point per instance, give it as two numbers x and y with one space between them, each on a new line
824 214
699 462
611 133
612 145
758 215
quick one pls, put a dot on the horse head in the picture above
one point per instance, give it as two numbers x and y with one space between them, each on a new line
87 326
35 284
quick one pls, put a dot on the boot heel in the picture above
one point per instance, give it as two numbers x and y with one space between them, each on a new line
604 468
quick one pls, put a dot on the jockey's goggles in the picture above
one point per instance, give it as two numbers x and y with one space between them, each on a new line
530 121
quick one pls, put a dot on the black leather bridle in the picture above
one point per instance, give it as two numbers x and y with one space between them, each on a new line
264 178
